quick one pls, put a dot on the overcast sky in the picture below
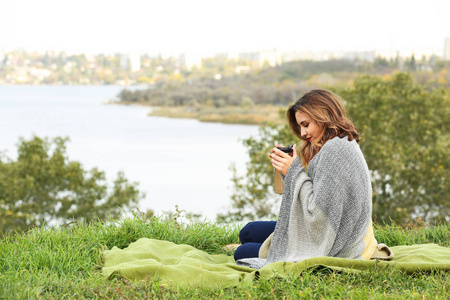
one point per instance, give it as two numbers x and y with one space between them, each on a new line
208 26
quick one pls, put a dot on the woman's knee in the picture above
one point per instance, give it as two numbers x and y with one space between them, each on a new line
257 231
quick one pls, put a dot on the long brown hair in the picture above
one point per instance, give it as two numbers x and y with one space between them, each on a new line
328 110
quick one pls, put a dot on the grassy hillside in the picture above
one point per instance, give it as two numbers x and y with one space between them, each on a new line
63 263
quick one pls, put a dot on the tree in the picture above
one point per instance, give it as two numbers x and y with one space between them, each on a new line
253 195
404 137
406 142
43 186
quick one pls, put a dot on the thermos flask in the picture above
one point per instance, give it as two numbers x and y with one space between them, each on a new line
278 188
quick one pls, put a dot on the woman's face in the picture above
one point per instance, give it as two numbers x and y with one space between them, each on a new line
309 128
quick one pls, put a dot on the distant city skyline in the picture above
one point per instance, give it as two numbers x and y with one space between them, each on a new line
173 27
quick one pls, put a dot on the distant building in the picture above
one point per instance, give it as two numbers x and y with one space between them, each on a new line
328 55
418 54
369 56
447 49
306 55
191 60
130 61
124 61
251 56
270 57
360 55
242 69
135 62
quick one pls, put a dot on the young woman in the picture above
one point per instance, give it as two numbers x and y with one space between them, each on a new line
326 209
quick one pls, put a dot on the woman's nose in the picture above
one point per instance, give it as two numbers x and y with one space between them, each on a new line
303 132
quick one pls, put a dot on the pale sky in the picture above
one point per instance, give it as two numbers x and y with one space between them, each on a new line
207 26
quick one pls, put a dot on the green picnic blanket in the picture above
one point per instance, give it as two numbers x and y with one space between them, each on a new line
185 265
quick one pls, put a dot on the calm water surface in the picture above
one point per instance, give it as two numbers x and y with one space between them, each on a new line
176 161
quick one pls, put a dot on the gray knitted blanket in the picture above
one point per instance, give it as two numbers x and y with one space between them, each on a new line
323 213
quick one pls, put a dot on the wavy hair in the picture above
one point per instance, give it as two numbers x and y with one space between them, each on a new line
328 110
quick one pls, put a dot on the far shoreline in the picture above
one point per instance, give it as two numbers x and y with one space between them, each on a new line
255 115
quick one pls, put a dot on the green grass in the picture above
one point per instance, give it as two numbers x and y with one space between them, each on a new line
63 263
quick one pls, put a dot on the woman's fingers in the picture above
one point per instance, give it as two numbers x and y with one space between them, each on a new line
277 166
282 167
277 157
277 160
279 152
280 160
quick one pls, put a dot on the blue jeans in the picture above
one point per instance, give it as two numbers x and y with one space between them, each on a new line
252 236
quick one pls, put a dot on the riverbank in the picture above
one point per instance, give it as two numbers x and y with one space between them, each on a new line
255 115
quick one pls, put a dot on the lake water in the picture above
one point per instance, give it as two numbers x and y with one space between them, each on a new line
176 161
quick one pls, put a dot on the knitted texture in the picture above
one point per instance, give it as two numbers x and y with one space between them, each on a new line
326 212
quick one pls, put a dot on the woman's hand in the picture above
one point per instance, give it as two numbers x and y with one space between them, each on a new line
282 161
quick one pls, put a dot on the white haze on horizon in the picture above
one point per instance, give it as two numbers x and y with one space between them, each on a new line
205 27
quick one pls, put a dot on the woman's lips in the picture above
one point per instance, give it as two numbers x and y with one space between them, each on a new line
309 139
